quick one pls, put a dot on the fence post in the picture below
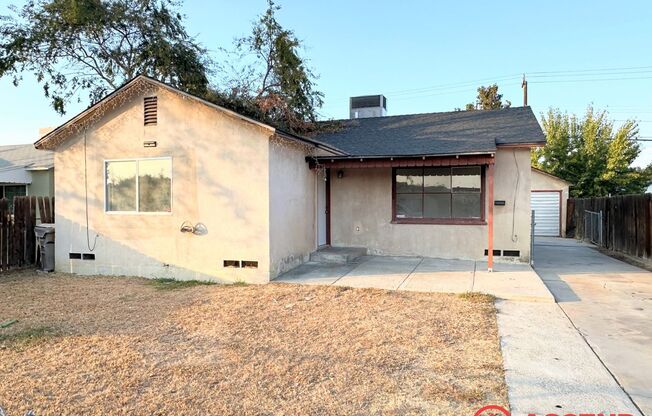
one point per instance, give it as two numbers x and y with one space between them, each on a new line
600 224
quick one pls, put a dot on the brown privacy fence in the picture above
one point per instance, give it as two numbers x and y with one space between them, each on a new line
622 223
17 239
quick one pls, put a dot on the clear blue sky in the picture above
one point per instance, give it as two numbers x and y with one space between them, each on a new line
431 56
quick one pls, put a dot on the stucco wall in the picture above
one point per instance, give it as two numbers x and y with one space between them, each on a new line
42 183
220 177
543 182
361 214
292 206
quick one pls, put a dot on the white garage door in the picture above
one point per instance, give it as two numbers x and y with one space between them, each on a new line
546 206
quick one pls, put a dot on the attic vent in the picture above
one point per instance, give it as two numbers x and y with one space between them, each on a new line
151 107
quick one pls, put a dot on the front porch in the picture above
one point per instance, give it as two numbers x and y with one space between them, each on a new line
439 206
424 274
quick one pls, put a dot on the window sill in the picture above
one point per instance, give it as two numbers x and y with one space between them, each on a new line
442 221
136 213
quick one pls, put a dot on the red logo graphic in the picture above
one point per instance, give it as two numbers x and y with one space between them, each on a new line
492 410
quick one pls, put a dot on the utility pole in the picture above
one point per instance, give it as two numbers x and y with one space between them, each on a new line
524 86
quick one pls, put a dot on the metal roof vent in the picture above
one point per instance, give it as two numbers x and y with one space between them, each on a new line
368 106
150 105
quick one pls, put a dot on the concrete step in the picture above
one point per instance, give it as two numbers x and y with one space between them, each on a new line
339 255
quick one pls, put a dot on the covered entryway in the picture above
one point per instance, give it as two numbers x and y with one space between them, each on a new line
547 213
322 206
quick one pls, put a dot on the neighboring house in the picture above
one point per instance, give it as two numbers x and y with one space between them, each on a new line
25 170
154 182
549 201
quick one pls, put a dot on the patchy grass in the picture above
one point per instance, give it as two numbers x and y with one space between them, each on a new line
123 346
163 283
477 297
26 336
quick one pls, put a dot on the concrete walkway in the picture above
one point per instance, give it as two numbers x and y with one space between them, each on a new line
610 303
507 281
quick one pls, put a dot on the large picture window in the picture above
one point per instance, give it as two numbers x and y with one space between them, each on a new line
438 195
139 185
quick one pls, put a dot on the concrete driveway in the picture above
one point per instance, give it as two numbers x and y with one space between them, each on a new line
423 274
610 303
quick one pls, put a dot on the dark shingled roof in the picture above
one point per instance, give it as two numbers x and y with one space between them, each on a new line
456 132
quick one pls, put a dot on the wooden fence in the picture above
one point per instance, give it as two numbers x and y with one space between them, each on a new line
626 224
17 239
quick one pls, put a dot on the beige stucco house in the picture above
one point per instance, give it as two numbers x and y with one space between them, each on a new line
157 183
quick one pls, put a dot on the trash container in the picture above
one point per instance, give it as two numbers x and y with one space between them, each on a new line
45 239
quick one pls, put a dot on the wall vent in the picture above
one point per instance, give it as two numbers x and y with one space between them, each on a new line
496 252
511 253
231 263
88 256
150 105
74 256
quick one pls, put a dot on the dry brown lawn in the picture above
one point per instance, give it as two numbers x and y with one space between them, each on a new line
103 345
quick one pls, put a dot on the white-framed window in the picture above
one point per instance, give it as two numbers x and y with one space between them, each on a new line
138 185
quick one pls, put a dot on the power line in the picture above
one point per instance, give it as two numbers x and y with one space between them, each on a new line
588 80
590 70
591 75
425 95
535 74
536 77
453 85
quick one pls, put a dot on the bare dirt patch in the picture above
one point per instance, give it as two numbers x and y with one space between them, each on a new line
107 345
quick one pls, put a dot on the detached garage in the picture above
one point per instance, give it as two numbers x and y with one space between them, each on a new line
548 201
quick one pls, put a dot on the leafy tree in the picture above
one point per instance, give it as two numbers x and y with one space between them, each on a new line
592 154
96 45
488 99
277 84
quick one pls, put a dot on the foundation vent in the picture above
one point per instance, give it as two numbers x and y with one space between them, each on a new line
150 106
249 264
232 263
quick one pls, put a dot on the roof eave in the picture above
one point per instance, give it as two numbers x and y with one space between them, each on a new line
529 145
316 143
42 143
543 172
396 156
